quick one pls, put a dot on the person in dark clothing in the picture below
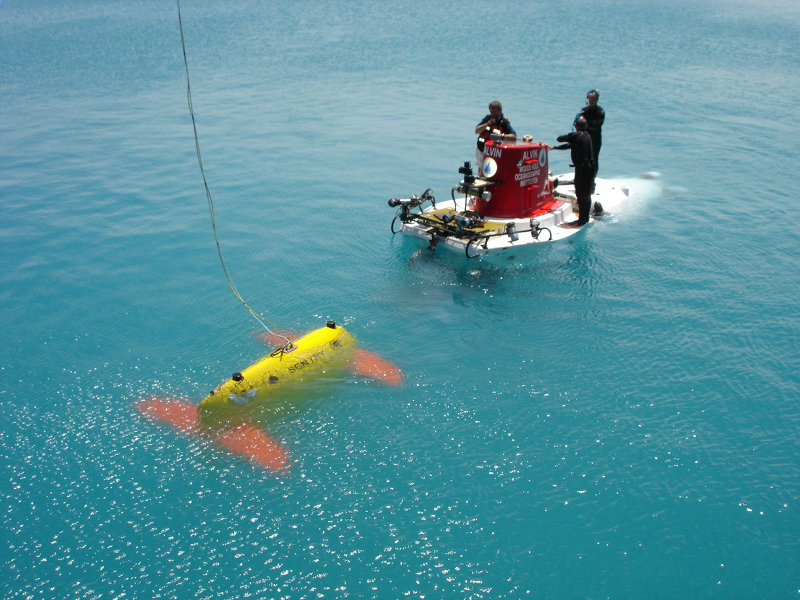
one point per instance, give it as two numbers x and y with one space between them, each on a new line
595 117
580 144
496 120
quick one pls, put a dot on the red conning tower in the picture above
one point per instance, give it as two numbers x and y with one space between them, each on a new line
518 173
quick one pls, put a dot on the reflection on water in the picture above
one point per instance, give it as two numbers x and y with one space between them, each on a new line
560 410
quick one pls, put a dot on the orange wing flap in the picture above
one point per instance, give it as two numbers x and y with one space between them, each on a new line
246 440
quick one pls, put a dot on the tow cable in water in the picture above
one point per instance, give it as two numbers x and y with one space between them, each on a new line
259 318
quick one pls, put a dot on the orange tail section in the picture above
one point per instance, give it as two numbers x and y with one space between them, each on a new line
246 440
367 364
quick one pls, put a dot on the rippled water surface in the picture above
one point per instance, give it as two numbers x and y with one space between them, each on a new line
613 416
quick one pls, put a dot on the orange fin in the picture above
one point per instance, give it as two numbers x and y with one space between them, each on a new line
254 444
182 415
367 364
246 440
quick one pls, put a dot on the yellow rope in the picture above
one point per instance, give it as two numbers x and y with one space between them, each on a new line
257 317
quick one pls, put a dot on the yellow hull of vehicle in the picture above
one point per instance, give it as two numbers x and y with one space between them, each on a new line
314 353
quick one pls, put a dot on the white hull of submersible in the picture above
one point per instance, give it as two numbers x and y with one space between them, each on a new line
608 194
512 201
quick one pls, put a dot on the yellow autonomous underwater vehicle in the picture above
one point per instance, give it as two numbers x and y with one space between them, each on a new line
318 351
324 351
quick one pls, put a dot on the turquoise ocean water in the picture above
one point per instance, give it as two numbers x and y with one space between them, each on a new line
615 416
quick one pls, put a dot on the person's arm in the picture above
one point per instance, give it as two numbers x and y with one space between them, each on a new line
481 126
510 136
506 129
562 138
511 133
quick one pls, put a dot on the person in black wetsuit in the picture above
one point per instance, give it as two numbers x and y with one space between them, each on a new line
580 144
595 117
